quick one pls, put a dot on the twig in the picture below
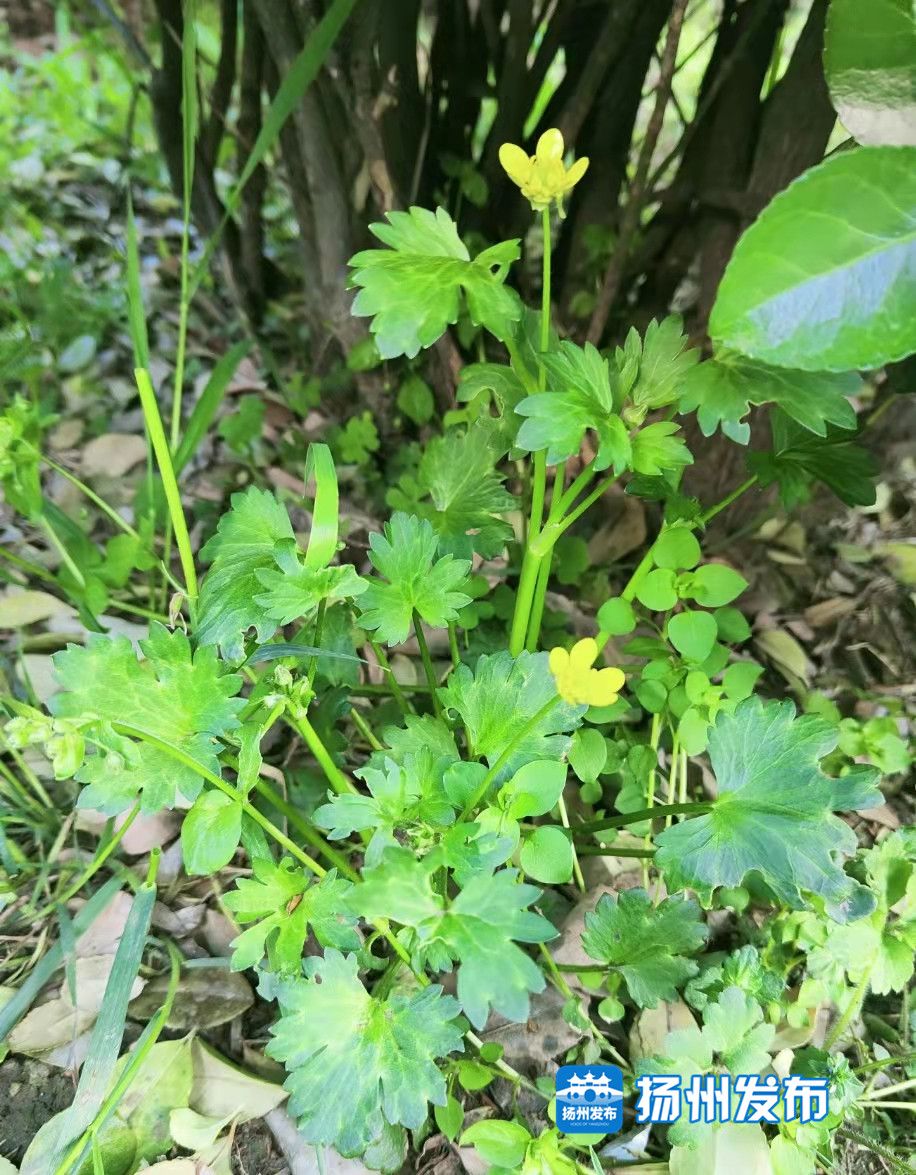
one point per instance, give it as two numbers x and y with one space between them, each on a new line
633 210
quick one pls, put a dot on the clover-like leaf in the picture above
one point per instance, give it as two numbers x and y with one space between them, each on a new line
497 701
406 555
773 814
646 944
722 390
244 545
480 928
284 904
412 290
187 701
580 397
356 1062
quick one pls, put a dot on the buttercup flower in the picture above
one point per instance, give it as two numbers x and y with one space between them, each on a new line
577 682
543 177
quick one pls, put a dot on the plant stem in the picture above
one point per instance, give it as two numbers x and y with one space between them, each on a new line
506 753
653 742
538 602
888 1089
316 640
335 777
613 851
577 868
643 814
453 645
365 729
58 546
169 484
524 596
726 501
305 829
427 663
855 1002
382 658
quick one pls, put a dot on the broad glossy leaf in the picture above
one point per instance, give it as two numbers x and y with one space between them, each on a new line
187 701
774 812
721 392
356 1062
647 944
824 278
870 63
413 290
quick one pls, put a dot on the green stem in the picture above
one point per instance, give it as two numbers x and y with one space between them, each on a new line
643 814
653 742
453 645
885 1063
855 1002
614 851
577 486
427 663
302 826
889 1089
365 729
335 777
524 597
510 746
316 640
396 690
61 550
169 483
726 501
538 603
577 868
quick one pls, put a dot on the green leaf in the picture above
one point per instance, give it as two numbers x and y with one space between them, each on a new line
415 400
693 634
244 544
722 390
870 71
406 555
412 290
210 832
676 548
292 591
243 426
646 944
580 396
497 378
357 1062
656 450
713 585
480 928
588 754
798 459
823 279
357 440
773 813
284 906
657 591
187 701
499 698
209 400
450 1117
458 473
547 855
616 616
534 789
661 359
498 1142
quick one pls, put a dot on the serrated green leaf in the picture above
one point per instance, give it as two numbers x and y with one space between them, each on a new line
722 390
499 698
406 556
823 278
799 458
480 928
285 905
657 451
870 71
187 701
356 1062
646 944
773 813
413 290
663 360
291 591
244 544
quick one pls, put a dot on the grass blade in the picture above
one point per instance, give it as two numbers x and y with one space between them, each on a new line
322 544
205 408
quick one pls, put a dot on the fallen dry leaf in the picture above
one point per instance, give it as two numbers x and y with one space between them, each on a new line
113 454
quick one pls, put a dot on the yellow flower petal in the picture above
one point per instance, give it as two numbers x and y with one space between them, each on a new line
605 687
516 163
576 172
550 146
558 660
577 682
582 655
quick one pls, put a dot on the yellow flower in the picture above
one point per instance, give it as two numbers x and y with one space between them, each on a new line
543 177
577 682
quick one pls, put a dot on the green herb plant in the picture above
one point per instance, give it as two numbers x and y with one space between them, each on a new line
464 810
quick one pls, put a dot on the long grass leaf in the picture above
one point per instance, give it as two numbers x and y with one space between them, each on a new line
205 408
135 311
322 543
105 1043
